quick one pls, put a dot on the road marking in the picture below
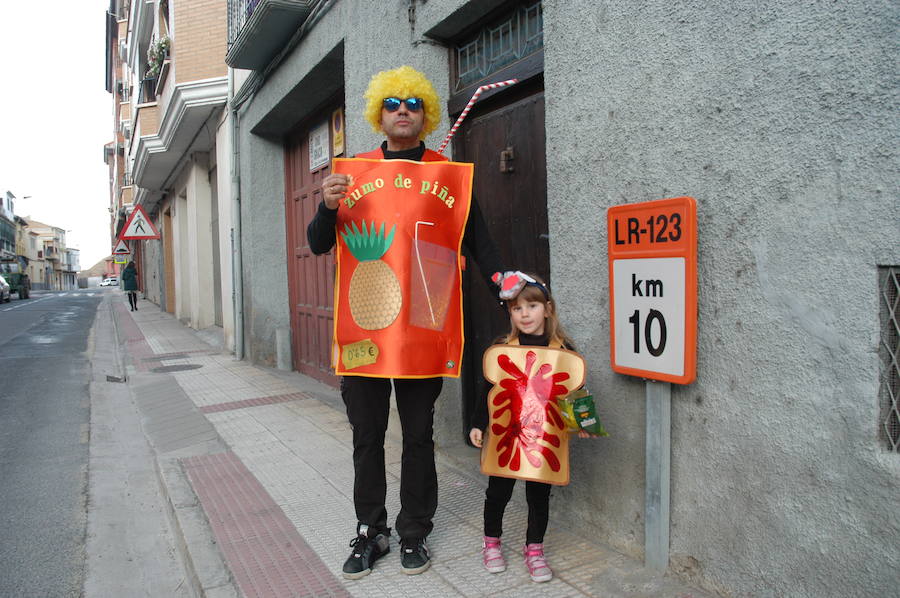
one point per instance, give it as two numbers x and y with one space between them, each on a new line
18 305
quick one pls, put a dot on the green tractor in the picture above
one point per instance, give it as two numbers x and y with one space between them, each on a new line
19 283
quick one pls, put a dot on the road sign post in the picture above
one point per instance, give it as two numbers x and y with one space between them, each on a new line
652 249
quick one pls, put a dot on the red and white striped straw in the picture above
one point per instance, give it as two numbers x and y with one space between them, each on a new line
468 107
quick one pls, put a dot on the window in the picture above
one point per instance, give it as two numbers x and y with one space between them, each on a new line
889 351
515 36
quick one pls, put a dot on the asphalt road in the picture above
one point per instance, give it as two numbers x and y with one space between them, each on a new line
44 435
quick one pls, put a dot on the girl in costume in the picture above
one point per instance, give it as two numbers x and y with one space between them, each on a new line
533 321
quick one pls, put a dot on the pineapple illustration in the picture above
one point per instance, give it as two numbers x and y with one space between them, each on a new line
375 297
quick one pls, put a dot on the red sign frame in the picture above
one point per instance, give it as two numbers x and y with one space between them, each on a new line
665 228
139 209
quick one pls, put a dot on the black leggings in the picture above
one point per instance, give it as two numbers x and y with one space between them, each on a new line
498 493
132 299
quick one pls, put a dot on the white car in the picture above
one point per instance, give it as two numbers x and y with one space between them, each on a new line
5 295
112 281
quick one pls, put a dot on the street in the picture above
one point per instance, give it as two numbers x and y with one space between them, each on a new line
44 434
82 513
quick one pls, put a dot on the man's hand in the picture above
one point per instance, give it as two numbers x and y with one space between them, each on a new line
334 188
475 435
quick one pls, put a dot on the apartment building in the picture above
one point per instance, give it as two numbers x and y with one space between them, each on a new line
777 118
8 233
51 270
171 152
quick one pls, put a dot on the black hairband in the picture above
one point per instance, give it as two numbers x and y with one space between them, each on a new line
529 283
541 286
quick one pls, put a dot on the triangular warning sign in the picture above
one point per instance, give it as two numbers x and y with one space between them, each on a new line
139 226
121 248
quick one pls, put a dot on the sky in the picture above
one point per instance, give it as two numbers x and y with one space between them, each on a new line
55 117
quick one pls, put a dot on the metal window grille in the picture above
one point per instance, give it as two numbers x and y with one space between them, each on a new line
889 350
503 42
238 13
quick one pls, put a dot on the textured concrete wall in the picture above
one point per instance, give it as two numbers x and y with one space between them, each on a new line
223 194
264 248
780 118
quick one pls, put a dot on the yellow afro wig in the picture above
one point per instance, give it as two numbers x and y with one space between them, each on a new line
403 82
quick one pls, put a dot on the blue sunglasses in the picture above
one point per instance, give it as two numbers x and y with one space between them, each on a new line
412 104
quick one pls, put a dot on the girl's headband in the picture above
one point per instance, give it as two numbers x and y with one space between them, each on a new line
529 282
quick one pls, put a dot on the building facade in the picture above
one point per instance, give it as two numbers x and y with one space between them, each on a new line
777 118
8 233
170 85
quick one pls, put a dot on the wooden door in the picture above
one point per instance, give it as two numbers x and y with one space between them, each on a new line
169 260
310 277
506 141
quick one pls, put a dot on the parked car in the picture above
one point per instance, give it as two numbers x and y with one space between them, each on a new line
19 283
112 281
5 295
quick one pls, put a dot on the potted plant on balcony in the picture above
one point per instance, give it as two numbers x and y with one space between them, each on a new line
156 54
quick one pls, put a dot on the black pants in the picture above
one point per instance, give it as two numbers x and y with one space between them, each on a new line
132 299
368 403
498 493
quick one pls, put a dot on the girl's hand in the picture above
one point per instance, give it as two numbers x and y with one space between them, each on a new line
476 436
586 434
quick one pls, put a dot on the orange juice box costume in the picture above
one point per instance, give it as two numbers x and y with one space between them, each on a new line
398 295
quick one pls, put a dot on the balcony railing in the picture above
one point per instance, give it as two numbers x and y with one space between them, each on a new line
258 29
238 13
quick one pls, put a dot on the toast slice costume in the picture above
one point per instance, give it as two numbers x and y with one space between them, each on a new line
527 438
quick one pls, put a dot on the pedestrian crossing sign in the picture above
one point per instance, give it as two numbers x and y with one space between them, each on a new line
139 226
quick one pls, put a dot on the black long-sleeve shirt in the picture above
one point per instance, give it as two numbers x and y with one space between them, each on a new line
322 235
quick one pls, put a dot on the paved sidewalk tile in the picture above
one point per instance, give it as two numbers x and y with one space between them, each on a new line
267 556
280 500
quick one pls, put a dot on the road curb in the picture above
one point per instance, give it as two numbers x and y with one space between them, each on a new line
204 564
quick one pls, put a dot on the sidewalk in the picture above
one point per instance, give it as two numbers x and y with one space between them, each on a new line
257 467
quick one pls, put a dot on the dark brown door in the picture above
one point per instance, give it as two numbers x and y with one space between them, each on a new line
310 277
505 140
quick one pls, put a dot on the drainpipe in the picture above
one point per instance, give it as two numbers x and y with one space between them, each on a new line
237 273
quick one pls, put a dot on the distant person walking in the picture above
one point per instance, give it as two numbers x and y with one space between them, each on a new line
130 283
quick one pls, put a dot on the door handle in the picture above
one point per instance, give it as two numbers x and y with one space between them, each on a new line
507 156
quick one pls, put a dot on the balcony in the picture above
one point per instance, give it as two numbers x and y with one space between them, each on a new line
147 119
258 29
168 137
126 196
124 111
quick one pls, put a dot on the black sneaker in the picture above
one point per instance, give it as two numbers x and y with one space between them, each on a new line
366 551
414 556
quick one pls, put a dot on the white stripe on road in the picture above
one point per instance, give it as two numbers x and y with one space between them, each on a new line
18 305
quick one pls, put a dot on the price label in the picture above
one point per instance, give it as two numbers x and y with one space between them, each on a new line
652 250
360 353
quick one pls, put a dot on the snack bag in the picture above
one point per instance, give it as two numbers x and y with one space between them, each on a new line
578 408
567 411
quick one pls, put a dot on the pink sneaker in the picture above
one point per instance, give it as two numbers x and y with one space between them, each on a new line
537 565
492 555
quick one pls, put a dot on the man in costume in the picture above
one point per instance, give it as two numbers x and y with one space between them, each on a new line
402 105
